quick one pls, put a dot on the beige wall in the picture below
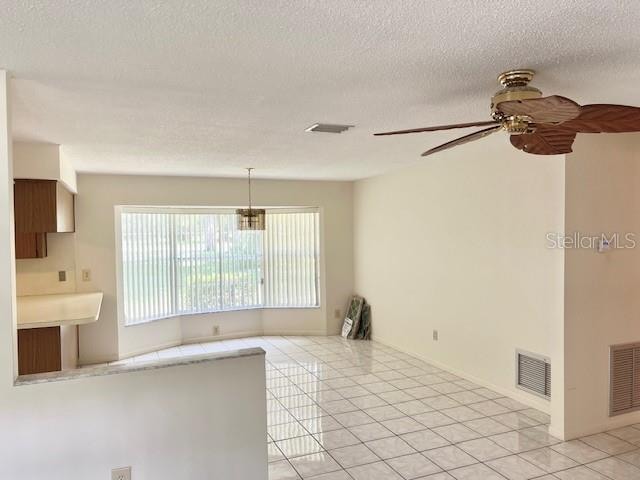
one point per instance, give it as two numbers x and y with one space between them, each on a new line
457 243
602 300
95 250
39 276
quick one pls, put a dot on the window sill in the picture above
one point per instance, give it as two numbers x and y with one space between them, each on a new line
218 312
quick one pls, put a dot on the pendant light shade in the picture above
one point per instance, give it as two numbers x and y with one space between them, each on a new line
250 218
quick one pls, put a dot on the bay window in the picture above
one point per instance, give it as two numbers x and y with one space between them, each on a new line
179 261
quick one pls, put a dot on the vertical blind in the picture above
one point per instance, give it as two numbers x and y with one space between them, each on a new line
291 259
185 262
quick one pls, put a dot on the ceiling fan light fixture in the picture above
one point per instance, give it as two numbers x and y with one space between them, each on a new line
517 124
250 219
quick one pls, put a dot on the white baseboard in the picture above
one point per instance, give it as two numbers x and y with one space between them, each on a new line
295 333
518 395
255 333
227 336
619 421
558 433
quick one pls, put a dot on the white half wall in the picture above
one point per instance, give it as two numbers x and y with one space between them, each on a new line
95 250
197 421
457 244
602 300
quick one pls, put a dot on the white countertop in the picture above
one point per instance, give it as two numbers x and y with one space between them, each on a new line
100 370
39 311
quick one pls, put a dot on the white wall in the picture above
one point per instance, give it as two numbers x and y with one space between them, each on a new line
199 421
602 300
457 243
95 250
43 161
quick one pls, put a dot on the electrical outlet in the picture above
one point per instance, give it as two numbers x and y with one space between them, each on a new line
216 330
86 275
435 335
62 276
337 313
123 473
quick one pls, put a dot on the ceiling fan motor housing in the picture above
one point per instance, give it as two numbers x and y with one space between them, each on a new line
515 86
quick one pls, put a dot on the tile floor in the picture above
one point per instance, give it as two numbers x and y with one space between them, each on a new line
353 410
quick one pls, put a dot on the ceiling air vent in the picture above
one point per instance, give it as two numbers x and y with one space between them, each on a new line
328 128
533 373
624 378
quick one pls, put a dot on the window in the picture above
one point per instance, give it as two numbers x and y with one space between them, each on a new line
177 261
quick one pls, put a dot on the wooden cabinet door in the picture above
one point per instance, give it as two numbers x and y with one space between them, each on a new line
31 245
35 206
43 206
39 350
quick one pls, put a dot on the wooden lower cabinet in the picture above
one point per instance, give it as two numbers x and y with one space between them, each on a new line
47 349
39 350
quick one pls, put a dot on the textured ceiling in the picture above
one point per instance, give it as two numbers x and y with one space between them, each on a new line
203 87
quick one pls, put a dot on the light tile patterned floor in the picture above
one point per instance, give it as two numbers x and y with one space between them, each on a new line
355 410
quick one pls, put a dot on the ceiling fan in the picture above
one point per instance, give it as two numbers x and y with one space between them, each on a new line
537 124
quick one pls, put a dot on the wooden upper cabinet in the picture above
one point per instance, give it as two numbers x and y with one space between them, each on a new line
43 206
31 245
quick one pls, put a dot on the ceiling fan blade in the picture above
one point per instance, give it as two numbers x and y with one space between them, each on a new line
554 109
440 127
605 118
462 140
545 141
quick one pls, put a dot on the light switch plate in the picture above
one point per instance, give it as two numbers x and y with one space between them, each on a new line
86 275
62 276
123 473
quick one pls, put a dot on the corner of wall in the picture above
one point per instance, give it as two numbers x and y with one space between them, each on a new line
8 326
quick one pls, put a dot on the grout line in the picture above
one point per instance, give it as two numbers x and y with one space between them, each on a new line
296 359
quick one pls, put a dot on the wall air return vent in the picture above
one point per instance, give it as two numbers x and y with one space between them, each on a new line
533 373
624 378
328 128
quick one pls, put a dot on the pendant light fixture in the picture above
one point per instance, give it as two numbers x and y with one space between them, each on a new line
250 218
